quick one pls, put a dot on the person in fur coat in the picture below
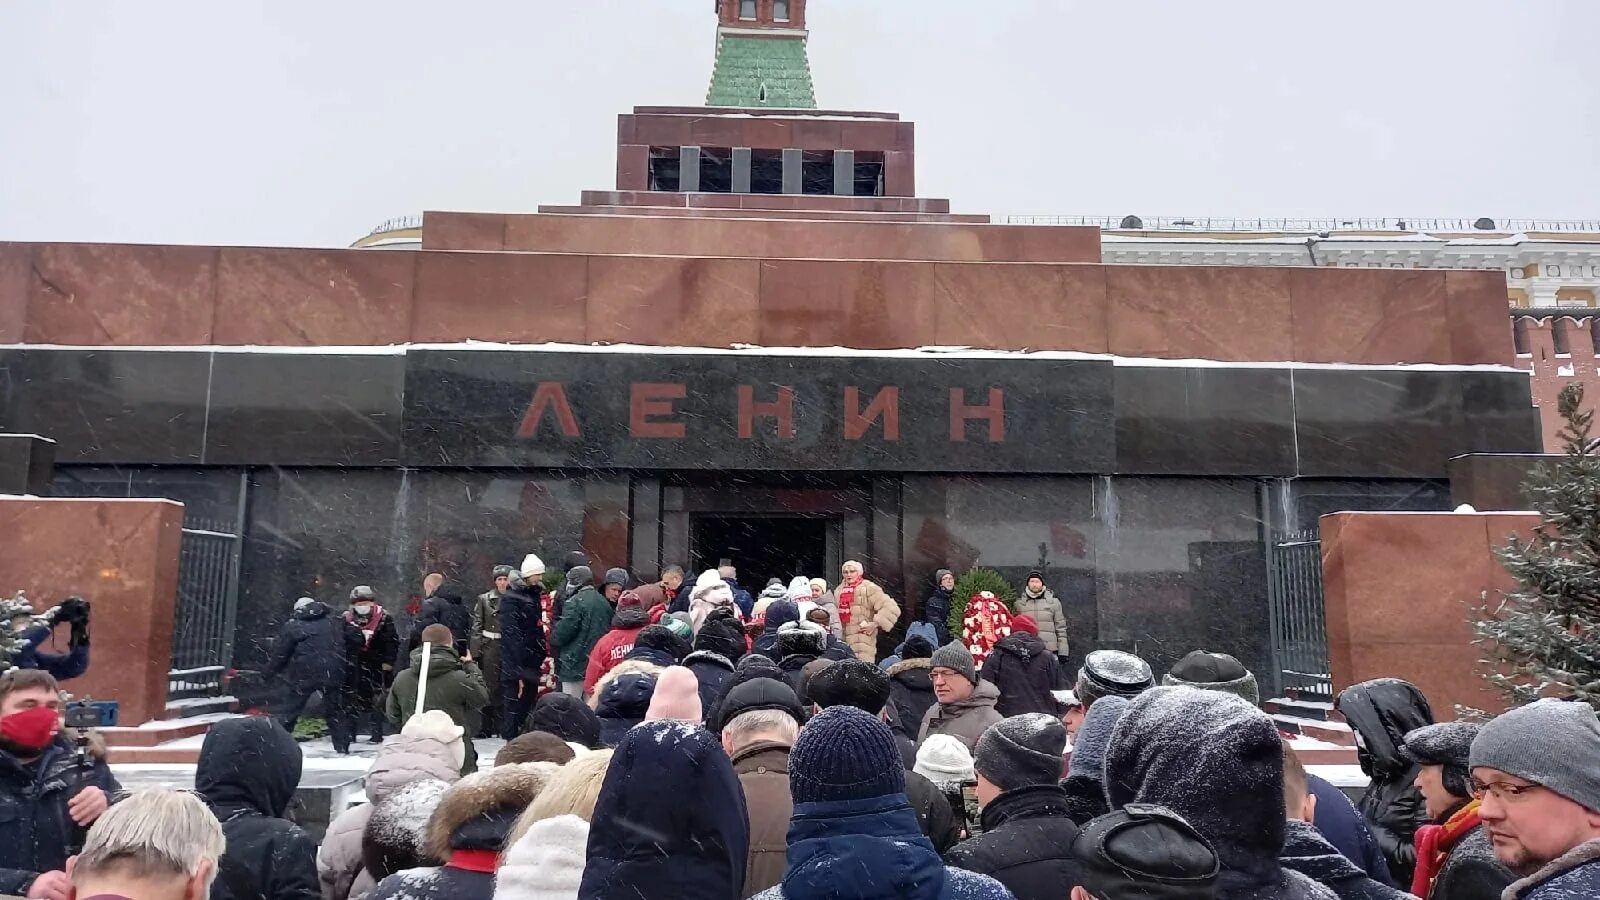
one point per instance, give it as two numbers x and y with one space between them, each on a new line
467 831
430 746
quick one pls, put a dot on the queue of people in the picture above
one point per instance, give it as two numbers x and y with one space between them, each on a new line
709 751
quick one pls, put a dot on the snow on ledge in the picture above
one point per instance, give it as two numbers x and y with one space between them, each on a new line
929 352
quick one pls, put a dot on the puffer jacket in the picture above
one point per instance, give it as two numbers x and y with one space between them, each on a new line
454 687
1025 672
313 650
870 606
1047 613
966 719
613 648
1026 844
1381 712
248 771
33 811
445 608
401 760
870 849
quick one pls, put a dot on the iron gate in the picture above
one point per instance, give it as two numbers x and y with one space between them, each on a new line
1299 625
202 628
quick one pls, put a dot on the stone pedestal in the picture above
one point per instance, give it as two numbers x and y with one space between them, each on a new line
27 462
122 555
1401 590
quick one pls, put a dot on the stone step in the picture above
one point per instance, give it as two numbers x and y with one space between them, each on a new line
199 706
1331 732
1319 710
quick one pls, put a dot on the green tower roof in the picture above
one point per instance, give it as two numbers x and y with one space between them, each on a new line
761 71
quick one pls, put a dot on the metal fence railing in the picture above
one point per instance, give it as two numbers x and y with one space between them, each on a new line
1298 620
203 623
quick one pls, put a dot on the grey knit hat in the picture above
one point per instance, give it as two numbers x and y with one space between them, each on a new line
1094 736
954 655
1022 750
1553 743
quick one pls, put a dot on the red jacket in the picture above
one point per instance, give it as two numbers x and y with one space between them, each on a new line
609 651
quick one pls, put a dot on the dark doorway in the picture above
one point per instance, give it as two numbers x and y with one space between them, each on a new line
762 547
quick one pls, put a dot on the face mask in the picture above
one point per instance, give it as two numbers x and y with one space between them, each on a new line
31 729
363 609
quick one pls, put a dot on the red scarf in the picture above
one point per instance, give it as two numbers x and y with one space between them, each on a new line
474 860
1434 843
847 598
373 621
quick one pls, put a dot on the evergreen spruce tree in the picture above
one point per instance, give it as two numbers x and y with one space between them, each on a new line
1543 639
977 581
10 646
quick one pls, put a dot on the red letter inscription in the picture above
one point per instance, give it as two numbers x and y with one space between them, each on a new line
781 409
646 403
549 394
994 411
885 406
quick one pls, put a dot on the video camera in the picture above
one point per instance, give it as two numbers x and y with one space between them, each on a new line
73 611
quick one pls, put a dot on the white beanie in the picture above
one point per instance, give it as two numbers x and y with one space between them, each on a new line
944 759
546 863
800 589
532 566
708 579
437 724
302 603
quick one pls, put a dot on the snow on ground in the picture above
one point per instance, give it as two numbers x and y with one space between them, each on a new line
321 763
1342 777
1301 742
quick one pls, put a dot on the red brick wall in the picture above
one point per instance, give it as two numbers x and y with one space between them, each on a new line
1552 371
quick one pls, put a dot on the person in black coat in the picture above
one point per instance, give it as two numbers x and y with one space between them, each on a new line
645 842
936 609
1027 836
1381 712
911 687
523 645
1024 671
568 718
316 652
40 778
248 770
446 607
374 662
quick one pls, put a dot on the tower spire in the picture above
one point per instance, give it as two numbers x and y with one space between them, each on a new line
761 55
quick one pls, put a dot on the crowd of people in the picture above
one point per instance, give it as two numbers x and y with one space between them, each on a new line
666 740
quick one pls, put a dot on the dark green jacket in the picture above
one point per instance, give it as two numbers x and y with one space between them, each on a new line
454 687
585 619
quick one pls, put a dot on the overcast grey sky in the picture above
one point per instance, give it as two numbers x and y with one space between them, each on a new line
295 122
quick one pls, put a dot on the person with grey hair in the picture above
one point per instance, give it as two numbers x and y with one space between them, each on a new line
758 741
154 845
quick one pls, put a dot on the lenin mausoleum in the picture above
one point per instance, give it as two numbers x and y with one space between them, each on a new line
760 343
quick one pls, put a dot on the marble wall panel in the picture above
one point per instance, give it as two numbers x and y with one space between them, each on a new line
515 297
313 297
1387 423
673 301
323 409
16 275
121 295
1175 420
1021 306
1227 313
1378 316
861 304
463 230
1480 330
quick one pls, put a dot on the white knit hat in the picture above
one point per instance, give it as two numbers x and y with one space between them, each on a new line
437 724
302 603
532 566
707 580
547 863
944 759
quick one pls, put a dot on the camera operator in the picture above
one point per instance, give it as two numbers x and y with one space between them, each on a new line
46 793
31 631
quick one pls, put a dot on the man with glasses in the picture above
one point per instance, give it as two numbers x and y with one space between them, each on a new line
1536 772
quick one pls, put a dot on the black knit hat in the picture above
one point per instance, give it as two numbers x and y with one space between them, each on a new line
723 635
1447 744
845 754
656 643
916 647
761 693
850 682
1145 852
1022 750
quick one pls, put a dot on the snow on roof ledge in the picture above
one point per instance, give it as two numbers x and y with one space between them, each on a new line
754 350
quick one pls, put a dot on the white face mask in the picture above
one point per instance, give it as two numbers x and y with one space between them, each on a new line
362 609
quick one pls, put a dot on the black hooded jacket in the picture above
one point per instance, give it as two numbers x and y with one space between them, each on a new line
1025 673
522 639
1381 712
315 650
1218 762
1306 851
248 771
1026 844
566 717
35 827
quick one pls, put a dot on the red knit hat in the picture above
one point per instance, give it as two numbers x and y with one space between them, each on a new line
1025 623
